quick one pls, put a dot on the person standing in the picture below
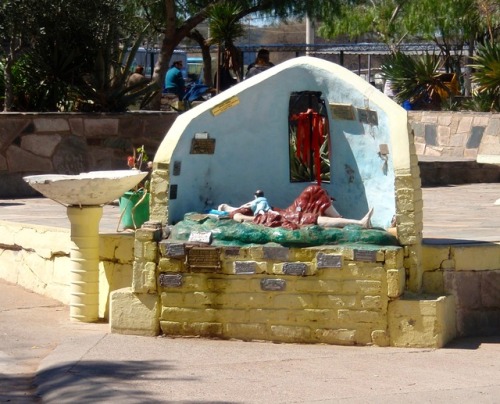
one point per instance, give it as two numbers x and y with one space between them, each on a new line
174 81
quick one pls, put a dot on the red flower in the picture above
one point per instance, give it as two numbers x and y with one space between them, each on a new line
131 161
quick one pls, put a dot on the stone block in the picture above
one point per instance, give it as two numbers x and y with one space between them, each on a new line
101 127
40 145
380 338
433 282
422 323
136 314
336 337
465 286
476 323
51 125
490 289
20 160
476 257
290 333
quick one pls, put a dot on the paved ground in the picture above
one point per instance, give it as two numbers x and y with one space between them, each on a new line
46 358
83 363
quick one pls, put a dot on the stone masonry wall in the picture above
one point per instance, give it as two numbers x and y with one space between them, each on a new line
70 143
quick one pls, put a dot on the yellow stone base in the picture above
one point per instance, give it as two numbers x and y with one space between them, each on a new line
417 321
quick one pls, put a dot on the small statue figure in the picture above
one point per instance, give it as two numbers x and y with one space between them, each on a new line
313 206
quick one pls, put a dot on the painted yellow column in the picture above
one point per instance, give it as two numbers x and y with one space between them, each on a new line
84 254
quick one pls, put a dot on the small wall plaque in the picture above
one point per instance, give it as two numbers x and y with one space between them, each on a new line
225 105
232 251
328 260
273 284
365 255
204 237
177 168
172 191
276 253
294 268
174 250
170 280
342 111
202 146
368 116
203 258
245 267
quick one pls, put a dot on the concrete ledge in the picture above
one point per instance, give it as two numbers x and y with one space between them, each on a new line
444 171
134 314
417 321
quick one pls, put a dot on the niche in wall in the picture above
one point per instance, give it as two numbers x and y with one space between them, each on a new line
309 137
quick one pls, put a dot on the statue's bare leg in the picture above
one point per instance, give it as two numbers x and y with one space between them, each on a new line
341 222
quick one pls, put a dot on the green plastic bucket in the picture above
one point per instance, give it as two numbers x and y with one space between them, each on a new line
133 213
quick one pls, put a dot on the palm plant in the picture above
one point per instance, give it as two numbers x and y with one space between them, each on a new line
225 28
417 80
487 74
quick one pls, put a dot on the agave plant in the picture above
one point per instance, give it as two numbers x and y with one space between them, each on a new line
487 74
105 89
417 80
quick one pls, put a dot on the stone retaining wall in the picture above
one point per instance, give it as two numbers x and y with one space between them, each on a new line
70 143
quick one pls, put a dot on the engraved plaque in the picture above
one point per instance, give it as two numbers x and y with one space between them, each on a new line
273 284
170 280
245 267
368 116
365 255
225 105
202 146
172 194
294 268
177 168
342 111
232 251
276 253
204 237
175 250
203 258
329 260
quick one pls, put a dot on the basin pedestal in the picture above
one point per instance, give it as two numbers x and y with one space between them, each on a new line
84 254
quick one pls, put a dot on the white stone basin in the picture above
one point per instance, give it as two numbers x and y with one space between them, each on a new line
86 189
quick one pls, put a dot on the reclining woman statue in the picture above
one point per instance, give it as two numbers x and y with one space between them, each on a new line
313 206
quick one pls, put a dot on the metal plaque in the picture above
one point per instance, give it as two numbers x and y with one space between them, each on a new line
368 116
174 250
329 260
202 146
273 284
203 258
342 111
177 168
365 255
170 280
225 105
276 253
232 251
204 237
294 268
245 267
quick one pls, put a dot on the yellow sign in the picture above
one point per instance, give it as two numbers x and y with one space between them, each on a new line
224 106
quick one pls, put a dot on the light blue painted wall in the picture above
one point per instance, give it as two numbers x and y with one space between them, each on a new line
252 144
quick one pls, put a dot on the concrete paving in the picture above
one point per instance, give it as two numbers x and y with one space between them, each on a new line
46 358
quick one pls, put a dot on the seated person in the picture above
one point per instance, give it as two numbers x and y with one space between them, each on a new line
313 206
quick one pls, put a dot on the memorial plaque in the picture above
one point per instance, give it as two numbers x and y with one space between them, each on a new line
294 268
170 280
368 116
245 267
329 260
172 194
276 253
232 251
177 168
342 111
202 146
225 105
273 284
175 250
203 258
204 237
365 255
